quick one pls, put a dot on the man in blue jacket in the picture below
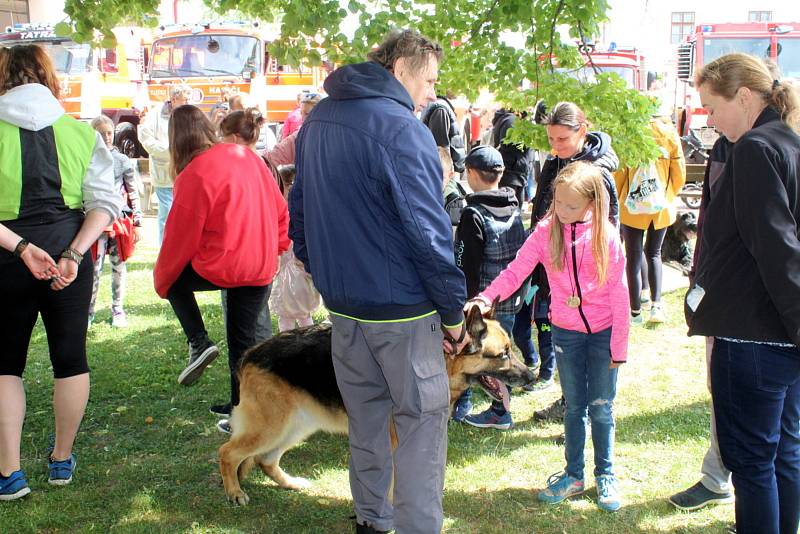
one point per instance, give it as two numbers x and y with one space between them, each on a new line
367 222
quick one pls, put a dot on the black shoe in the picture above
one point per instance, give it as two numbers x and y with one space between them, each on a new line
554 412
201 353
697 497
222 410
369 529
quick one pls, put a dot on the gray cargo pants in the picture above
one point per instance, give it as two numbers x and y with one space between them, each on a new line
394 369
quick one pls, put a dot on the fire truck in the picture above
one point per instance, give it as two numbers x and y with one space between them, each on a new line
94 80
778 41
217 58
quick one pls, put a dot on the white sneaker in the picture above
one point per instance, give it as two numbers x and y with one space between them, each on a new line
656 315
119 320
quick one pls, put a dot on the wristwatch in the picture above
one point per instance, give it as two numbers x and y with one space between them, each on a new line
23 243
72 254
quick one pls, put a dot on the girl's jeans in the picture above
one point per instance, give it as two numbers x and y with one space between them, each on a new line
588 385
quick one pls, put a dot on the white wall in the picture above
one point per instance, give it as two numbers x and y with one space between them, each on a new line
46 11
647 23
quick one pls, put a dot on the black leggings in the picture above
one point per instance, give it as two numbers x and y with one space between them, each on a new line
244 303
633 238
65 315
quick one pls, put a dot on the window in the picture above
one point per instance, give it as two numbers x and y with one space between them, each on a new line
759 16
789 57
682 25
13 12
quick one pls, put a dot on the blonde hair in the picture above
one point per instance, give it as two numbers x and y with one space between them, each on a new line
726 75
586 180
447 162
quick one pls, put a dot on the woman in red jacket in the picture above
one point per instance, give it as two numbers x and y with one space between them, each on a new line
226 229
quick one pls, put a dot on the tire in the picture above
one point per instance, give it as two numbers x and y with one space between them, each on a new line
126 140
692 202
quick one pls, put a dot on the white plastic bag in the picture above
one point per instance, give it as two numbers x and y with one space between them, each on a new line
646 193
293 294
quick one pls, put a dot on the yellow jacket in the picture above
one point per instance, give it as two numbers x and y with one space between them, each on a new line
671 168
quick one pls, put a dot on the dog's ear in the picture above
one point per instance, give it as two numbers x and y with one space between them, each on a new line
492 313
477 328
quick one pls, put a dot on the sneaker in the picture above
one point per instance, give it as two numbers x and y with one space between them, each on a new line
61 470
656 315
119 319
490 419
637 319
201 353
541 384
224 426
697 497
645 303
461 410
91 320
13 486
222 410
554 412
561 486
607 493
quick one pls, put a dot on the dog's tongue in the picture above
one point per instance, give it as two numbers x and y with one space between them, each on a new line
497 389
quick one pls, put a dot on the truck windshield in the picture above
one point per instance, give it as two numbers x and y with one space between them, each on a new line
68 57
714 48
204 55
789 57
586 74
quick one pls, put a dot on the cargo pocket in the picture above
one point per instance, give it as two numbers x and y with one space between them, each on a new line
432 385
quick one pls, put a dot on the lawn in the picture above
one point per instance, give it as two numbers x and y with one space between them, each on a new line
147 450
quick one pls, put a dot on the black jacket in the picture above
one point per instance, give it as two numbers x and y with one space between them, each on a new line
517 161
470 235
597 151
440 118
749 264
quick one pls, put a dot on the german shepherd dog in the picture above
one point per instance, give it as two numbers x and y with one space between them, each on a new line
288 391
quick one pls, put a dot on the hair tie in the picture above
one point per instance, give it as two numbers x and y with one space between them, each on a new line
775 84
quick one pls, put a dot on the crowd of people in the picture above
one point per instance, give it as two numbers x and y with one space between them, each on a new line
245 213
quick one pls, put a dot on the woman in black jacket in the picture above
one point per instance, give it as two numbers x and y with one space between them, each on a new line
746 290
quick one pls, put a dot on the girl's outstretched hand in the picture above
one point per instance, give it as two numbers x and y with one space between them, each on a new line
482 305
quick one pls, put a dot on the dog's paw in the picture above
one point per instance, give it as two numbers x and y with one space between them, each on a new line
239 498
296 483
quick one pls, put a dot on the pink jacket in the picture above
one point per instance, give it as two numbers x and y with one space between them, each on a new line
603 306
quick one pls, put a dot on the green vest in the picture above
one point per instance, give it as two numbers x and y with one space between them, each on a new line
45 168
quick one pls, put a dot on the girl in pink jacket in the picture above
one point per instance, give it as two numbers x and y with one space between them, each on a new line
581 252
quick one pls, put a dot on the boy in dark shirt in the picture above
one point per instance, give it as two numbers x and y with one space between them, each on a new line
488 237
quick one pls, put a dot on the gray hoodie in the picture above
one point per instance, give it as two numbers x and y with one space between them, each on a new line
33 107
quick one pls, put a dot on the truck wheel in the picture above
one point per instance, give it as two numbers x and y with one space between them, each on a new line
127 142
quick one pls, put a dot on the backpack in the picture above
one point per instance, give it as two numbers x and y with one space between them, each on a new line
646 193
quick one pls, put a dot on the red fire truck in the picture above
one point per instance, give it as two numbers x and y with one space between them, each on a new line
778 41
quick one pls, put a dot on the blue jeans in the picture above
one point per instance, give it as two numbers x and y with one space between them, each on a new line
588 385
756 394
164 195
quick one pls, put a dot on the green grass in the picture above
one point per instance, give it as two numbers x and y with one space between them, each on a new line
162 476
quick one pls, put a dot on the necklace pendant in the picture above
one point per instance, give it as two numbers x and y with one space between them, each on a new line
573 301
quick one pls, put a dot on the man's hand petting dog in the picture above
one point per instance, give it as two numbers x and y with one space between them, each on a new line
455 339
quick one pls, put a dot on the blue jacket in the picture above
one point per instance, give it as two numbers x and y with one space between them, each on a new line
366 210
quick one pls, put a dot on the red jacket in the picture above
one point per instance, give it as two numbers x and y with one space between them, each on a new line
228 219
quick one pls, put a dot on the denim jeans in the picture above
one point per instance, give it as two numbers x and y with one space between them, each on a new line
164 195
588 385
756 394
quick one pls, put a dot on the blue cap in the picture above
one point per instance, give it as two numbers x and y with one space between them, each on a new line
484 158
